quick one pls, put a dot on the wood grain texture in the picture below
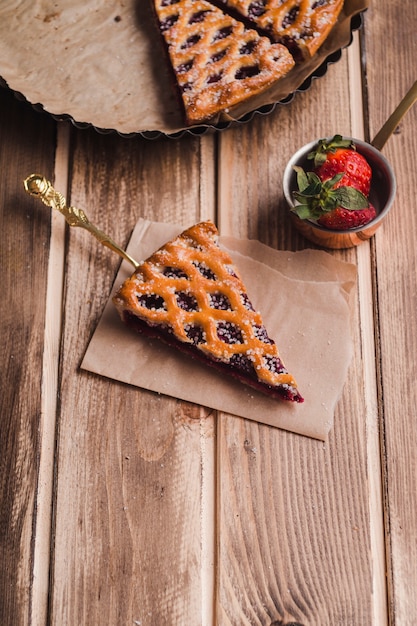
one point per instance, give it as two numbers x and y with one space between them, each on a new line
289 495
395 272
26 143
128 520
41 540
164 514
368 325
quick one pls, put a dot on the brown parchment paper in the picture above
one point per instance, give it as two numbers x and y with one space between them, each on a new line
103 63
306 301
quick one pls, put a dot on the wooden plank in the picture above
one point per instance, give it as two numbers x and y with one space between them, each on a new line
49 399
26 143
368 331
391 72
294 519
134 498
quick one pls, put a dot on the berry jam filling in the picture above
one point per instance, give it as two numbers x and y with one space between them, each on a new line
191 41
240 366
218 56
246 302
293 47
220 302
152 302
205 271
195 333
275 365
290 17
222 33
186 301
241 362
229 333
247 72
247 48
174 272
214 78
185 67
200 16
261 333
256 9
168 23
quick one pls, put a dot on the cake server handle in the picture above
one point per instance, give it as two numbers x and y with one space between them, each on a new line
395 118
39 187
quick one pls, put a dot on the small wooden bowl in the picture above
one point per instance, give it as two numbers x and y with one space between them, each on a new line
382 194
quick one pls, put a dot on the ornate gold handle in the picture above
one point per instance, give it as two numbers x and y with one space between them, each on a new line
39 187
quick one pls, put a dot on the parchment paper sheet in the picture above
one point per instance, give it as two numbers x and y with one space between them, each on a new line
103 63
306 301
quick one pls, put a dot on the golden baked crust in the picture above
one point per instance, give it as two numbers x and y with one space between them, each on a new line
189 293
218 63
302 25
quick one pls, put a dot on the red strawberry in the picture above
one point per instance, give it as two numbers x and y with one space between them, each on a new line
332 206
344 219
340 156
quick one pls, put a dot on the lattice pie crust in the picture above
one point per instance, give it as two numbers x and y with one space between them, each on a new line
301 25
218 63
190 294
224 52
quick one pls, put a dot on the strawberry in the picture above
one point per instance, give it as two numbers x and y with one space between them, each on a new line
330 205
340 156
344 219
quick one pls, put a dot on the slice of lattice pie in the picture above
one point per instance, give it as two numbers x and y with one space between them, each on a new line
218 62
190 295
301 25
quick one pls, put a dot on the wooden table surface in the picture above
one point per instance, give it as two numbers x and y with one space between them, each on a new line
124 507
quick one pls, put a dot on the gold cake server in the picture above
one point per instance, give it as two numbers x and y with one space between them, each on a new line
37 186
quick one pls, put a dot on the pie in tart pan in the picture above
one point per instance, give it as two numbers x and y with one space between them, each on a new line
104 65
